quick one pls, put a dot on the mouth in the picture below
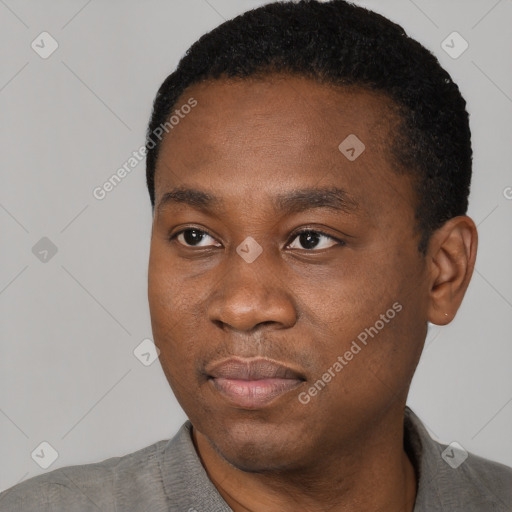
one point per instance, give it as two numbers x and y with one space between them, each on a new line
253 383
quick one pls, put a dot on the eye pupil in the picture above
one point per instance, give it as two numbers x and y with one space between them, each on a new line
306 238
190 239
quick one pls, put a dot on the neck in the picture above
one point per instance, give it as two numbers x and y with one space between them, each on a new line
375 473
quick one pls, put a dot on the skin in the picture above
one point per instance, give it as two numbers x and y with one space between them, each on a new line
247 142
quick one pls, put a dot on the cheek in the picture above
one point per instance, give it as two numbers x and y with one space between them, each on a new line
370 314
175 335
176 339
167 289
351 297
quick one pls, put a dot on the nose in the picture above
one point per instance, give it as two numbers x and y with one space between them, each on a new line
251 295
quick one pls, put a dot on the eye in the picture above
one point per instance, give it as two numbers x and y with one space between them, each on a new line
310 237
193 237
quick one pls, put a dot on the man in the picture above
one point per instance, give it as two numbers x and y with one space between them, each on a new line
309 166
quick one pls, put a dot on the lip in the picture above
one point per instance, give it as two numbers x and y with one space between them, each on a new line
253 383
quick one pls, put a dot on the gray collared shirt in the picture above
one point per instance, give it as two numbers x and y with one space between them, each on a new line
169 477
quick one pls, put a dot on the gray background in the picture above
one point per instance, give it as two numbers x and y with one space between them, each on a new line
70 325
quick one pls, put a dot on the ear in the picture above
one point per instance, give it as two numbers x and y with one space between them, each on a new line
451 257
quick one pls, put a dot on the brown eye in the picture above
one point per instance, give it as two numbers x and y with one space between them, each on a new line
193 237
311 239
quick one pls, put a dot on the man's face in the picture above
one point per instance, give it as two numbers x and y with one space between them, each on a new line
304 299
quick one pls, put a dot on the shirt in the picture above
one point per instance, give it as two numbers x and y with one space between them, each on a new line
168 476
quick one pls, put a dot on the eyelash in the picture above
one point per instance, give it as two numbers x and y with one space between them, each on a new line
292 237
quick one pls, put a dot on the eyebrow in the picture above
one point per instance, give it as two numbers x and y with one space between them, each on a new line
294 201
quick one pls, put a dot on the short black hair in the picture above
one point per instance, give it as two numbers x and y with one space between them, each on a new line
343 44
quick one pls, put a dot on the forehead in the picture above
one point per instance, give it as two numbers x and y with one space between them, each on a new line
269 132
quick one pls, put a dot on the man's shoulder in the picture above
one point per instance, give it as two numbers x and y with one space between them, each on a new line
85 487
451 478
481 481
476 466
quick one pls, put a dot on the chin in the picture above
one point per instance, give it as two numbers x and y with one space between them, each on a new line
256 459
256 448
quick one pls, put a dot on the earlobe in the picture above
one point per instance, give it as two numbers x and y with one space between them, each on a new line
451 256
